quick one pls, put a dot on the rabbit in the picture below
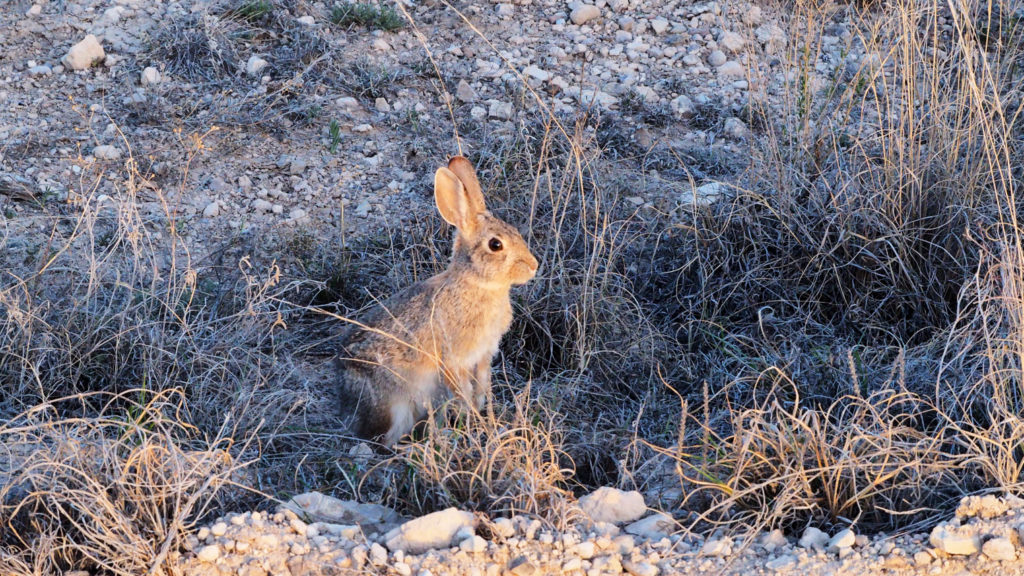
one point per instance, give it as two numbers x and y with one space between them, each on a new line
438 336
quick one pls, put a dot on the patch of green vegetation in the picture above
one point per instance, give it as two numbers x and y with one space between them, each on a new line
375 16
253 10
334 131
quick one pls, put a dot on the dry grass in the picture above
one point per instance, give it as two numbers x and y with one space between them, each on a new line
840 335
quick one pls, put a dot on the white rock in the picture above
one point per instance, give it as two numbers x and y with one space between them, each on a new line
219 529
653 527
659 25
719 547
505 10
999 549
716 58
112 15
813 538
34 10
436 530
503 528
464 91
535 72
922 558
731 41
381 45
261 205
297 214
613 505
584 13
473 545
843 539
732 69
150 75
347 103
585 550
953 541
752 17
378 555
209 553
362 128
106 152
735 128
85 54
254 65
500 110
772 541
40 70
683 106
780 564
771 37
306 20
639 568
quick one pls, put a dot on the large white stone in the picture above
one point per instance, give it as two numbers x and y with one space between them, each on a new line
85 54
428 532
584 13
613 505
953 541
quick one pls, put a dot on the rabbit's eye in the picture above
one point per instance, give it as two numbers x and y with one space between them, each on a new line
494 245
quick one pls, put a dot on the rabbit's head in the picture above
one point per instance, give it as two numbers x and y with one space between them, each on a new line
491 250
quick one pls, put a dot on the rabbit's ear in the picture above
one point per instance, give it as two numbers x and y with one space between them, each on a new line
453 202
464 170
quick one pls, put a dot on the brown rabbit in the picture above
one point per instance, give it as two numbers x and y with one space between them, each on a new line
438 336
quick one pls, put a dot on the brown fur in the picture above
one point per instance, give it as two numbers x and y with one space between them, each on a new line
437 337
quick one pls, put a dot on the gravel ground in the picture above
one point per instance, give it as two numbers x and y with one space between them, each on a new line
314 534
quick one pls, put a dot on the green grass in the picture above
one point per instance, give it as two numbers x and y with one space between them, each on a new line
375 16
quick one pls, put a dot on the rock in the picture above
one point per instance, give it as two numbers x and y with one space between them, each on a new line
296 166
150 75
813 538
731 41
209 553
436 530
363 209
34 10
297 214
255 65
613 505
986 507
585 550
922 558
500 110
720 547
85 54
772 541
503 528
362 128
683 107
219 529
106 152
473 545
953 541
771 37
735 128
347 103
584 13
753 16
781 563
317 507
843 539
535 72
465 92
306 20
40 70
382 105
716 58
653 527
378 555
659 25
260 205
521 566
732 69
505 10
999 549
639 568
